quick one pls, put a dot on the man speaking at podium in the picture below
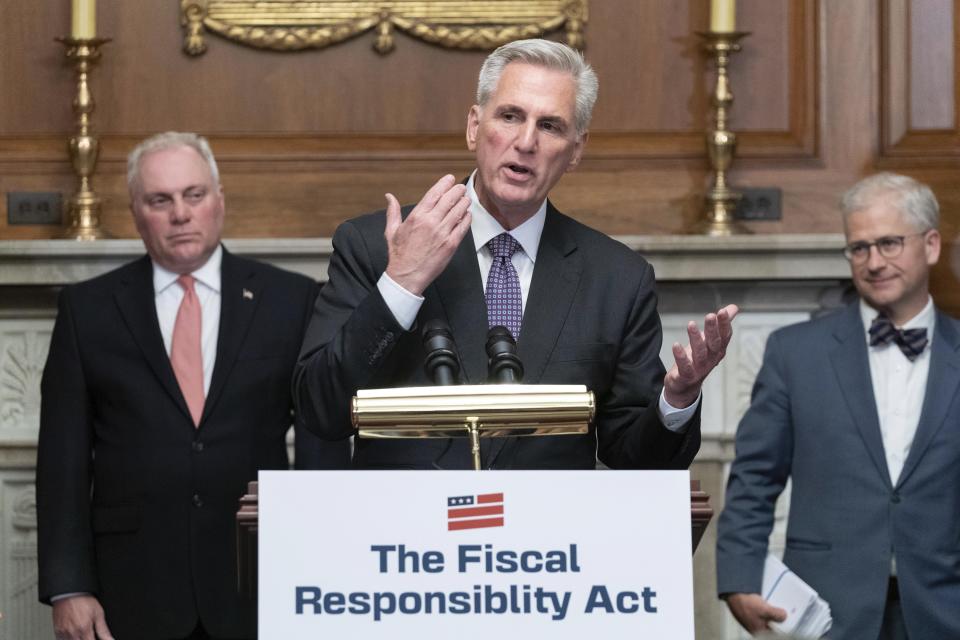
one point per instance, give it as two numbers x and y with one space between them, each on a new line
495 251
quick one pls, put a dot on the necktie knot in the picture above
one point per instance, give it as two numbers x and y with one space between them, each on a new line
503 246
911 342
186 282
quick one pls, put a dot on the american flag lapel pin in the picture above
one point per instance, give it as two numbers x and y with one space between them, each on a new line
247 294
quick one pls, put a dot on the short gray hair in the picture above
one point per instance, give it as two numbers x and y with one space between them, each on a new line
169 140
543 53
913 199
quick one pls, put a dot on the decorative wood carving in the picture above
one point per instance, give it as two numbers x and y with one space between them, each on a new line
294 25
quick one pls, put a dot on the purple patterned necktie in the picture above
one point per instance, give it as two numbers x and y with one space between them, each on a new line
504 301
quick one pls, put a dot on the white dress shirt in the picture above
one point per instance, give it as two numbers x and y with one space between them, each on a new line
899 387
168 295
405 305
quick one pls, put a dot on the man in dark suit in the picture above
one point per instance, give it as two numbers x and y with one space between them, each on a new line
166 388
492 252
860 408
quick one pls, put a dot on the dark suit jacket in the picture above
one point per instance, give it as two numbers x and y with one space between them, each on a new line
136 505
813 418
590 319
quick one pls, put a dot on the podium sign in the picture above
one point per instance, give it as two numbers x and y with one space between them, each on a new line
467 555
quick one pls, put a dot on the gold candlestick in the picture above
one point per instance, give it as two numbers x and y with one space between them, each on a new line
721 201
83 148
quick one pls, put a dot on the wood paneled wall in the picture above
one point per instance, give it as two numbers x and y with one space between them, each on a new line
826 91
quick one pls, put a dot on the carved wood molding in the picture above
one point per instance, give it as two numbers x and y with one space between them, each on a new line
294 25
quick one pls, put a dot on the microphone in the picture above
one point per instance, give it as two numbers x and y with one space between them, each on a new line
503 364
441 364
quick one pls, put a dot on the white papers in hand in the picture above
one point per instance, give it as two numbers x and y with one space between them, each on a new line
808 615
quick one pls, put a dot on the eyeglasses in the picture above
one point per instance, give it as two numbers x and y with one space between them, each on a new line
887 246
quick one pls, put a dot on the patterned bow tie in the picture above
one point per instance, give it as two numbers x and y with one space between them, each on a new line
912 342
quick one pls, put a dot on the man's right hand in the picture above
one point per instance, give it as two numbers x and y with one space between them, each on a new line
420 247
753 612
79 618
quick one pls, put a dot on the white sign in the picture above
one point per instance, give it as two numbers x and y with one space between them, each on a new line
471 555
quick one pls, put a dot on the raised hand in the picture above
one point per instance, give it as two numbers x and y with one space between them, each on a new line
420 247
681 386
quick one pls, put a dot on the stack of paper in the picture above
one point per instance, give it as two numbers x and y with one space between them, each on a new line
808 615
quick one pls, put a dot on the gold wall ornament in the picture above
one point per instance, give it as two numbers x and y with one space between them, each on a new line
293 25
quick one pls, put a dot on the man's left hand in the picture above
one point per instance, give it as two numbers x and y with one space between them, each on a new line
681 386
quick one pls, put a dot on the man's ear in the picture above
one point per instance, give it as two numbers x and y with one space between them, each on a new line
473 126
578 149
932 246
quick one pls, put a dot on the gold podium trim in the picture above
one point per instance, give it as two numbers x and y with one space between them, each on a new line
293 25
473 411
501 410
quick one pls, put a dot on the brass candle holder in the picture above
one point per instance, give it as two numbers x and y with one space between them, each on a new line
83 147
721 201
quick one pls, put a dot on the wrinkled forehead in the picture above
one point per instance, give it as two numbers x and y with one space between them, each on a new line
523 83
172 169
879 217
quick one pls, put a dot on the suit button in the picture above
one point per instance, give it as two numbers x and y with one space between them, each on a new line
895 498
197 500
197 446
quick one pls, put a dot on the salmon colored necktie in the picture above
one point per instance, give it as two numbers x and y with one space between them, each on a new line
185 353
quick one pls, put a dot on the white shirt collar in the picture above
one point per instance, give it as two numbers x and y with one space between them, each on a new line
923 320
485 227
208 274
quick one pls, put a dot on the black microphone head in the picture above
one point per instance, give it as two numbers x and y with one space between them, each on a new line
503 364
434 327
441 364
500 339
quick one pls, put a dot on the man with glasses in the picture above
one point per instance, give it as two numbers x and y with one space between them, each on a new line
859 409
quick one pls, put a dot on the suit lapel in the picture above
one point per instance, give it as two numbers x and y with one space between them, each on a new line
136 301
554 284
239 296
852 367
556 277
943 381
459 289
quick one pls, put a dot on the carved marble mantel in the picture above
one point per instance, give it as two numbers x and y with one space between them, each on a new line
676 258
776 280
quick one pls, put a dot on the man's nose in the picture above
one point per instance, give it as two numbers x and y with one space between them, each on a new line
526 141
875 261
180 212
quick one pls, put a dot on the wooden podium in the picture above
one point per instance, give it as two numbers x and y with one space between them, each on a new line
247 518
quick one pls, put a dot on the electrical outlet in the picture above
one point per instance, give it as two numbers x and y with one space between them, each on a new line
759 203
34 207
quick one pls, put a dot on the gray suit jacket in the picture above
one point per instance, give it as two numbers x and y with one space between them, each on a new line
813 419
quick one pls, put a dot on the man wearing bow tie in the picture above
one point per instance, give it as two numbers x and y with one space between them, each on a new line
166 389
860 409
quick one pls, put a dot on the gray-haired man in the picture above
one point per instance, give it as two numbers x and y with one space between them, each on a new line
495 251
860 409
166 389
